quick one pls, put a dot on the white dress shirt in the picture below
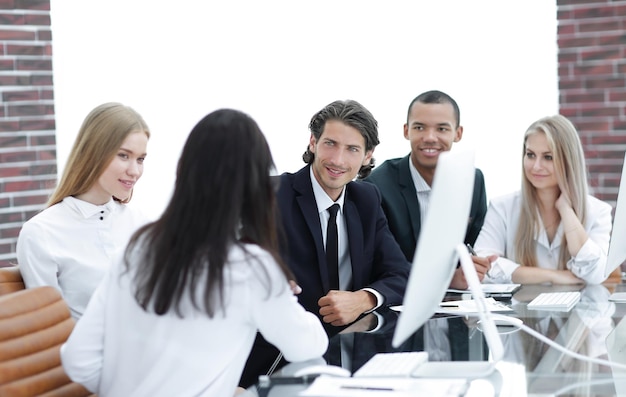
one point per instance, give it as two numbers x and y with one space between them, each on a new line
70 246
118 349
497 236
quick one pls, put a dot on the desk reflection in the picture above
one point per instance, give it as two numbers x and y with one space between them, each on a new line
583 330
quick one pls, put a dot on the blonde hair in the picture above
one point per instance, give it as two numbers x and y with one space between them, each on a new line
571 173
101 135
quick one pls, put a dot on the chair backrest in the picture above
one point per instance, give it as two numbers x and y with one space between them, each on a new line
34 323
10 280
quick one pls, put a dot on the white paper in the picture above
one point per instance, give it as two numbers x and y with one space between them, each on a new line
327 386
489 289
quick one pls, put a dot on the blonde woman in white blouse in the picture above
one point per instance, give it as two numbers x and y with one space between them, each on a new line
71 243
552 231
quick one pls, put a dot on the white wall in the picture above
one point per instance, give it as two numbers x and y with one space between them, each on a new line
281 61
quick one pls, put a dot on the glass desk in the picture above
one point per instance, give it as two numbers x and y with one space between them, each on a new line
592 328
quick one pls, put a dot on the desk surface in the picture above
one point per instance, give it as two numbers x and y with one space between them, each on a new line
590 329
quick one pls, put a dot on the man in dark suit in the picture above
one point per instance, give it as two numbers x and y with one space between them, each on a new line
372 271
433 125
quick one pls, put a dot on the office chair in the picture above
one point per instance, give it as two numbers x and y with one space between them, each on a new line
34 323
10 280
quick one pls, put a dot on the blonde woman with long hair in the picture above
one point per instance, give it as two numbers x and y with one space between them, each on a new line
552 230
71 243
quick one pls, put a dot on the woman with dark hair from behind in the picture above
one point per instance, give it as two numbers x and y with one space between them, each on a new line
181 309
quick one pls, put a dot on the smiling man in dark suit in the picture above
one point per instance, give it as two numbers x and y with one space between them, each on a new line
372 271
432 126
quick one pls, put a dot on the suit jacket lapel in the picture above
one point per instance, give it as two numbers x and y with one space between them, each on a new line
410 195
355 239
306 201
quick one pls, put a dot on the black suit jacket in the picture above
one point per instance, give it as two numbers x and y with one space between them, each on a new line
377 261
401 206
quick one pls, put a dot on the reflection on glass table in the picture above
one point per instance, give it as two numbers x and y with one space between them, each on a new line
590 329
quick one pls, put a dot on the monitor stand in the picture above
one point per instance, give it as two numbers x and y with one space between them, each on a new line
470 369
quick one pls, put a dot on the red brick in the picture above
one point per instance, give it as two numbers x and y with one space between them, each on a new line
37 125
576 42
567 56
30 110
13 141
15 157
7 64
9 126
42 79
10 232
14 80
7 4
617 96
14 96
11 172
7 19
44 34
17 35
600 54
604 26
591 11
38 19
569 83
43 155
23 49
584 97
41 5
587 69
605 83
36 64
607 139
37 199
43 140
20 186
50 169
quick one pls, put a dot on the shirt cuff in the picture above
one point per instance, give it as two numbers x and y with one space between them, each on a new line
379 298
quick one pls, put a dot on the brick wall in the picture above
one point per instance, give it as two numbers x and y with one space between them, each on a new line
27 126
592 85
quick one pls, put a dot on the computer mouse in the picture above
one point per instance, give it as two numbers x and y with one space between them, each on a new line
331 370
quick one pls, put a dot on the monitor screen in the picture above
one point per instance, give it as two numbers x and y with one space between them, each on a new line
442 231
617 246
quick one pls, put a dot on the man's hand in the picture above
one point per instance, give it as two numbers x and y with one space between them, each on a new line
482 266
343 307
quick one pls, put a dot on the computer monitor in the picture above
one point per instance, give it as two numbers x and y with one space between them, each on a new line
617 245
443 229
438 250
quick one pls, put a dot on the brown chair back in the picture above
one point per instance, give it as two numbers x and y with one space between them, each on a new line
34 323
10 280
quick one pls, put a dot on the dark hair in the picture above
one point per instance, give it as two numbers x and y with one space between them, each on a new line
435 96
223 196
351 113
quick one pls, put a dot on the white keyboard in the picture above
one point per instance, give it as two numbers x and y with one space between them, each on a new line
397 364
558 301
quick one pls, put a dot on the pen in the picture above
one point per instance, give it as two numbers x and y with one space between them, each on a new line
471 251
350 387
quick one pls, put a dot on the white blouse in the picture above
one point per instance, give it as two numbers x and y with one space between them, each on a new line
497 236
118 349
71 245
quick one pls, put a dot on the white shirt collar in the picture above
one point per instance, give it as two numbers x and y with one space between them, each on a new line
321 198
418 181
88 210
